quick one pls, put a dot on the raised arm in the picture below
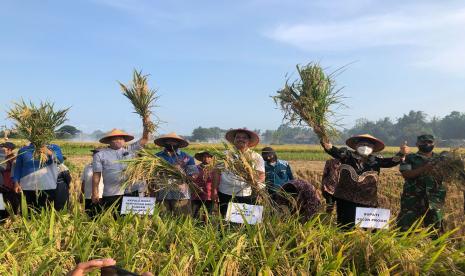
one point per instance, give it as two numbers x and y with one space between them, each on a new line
332 150
146 122
395 160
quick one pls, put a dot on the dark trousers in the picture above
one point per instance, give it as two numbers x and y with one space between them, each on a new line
107 201
345 211
62 195
90 208
224 200
197 204
39 199
13 199
330 201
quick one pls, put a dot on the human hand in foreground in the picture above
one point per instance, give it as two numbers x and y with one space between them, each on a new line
86 267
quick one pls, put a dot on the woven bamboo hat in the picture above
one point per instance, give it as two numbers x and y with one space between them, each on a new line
378 145
254 139
116 133
161 141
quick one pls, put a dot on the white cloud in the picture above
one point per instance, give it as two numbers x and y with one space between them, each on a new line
435 37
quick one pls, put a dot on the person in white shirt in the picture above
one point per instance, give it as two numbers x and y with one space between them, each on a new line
231 187
86 187
106 163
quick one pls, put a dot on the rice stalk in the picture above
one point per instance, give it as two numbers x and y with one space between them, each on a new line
37 123
312 99
449 167
241 165
156 172
142 98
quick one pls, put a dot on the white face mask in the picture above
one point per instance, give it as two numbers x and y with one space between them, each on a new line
364 150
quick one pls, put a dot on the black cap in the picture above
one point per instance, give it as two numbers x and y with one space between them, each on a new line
425 138
8 145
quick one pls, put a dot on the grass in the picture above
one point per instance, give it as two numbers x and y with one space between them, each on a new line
51 243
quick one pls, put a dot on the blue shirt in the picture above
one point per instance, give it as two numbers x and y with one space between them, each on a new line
278 174
187 163
26 166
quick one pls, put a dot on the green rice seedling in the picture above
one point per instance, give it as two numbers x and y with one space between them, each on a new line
142 98
37 123
311 100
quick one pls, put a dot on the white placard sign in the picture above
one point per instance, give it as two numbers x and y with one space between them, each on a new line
372 217
2 203
137 205
237 212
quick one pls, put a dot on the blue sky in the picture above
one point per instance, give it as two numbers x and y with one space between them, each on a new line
216 63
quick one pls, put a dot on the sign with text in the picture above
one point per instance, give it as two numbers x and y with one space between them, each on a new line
137 205
372 217
2 203
241 212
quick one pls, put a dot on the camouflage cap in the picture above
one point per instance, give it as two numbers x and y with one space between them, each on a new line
425 138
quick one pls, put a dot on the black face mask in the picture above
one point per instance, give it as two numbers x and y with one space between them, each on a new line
426 148
171 148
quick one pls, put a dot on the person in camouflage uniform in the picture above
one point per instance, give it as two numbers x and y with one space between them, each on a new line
422 194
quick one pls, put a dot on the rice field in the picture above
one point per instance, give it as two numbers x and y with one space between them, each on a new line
51 243
286 152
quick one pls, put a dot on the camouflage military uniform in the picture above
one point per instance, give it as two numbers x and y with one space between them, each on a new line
421 196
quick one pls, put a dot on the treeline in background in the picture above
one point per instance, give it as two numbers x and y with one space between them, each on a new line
449 131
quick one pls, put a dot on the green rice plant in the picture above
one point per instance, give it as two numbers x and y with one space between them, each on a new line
311 100
47 242
37 123
142 98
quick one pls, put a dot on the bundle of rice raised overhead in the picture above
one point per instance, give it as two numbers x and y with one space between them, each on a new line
312 99
142 98
37 124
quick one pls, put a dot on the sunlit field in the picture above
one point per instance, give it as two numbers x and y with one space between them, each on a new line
51 243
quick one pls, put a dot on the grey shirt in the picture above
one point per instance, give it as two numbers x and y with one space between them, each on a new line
107 162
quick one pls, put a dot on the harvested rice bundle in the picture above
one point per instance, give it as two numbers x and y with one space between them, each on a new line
311 99
37 124
156 172
449 167
241 165
142 98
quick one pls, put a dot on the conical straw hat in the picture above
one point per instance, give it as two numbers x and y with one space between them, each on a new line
353 141
161 141
254 139
116 133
